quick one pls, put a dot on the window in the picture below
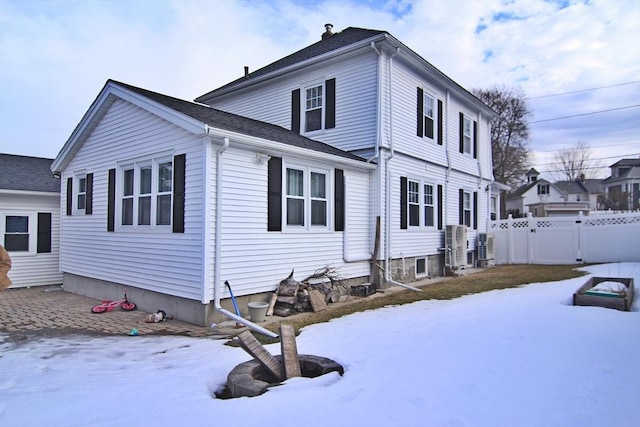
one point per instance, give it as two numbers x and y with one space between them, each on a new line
494 208
543 189
414 203
421 267
466 209
313 108
418 205
428 115
306 197
81 193
16 233
146 193
428 205
466 135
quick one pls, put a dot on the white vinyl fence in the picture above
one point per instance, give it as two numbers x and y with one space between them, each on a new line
567 240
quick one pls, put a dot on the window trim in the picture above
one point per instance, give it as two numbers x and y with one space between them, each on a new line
543 189
322 107
421 203
467 149
153 161
466 197
307 170
432 117
32 224
426 267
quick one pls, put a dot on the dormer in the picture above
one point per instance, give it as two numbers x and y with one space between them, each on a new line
532 176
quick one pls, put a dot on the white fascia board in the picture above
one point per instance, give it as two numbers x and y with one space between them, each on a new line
101 105
30 193
268 147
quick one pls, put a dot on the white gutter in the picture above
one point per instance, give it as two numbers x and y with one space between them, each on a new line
387 160
275 147
218 248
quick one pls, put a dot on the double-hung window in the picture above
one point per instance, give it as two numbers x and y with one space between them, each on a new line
81 193
429 208
16 233
306 197
146 193
543 189
429 115
466 135
466 208
414 203
313 108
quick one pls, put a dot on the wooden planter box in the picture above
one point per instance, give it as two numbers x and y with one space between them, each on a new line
622 301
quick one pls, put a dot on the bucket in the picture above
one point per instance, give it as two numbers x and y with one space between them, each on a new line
258 311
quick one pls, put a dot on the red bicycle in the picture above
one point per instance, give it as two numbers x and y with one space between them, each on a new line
124 304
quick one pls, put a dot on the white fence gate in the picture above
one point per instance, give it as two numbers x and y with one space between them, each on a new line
567 240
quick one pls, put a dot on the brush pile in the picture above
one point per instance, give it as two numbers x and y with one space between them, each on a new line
313 293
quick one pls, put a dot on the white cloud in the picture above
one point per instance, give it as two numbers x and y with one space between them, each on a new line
55 56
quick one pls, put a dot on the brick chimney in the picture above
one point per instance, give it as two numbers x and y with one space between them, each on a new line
328 32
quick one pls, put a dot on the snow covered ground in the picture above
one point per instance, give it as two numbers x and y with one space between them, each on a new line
516 357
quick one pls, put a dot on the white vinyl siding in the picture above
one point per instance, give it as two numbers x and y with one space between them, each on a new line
355 103
32 268
165 262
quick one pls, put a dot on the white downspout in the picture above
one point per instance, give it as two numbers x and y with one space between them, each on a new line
346 256
218 245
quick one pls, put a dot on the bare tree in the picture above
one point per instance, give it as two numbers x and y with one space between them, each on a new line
509 132
572 163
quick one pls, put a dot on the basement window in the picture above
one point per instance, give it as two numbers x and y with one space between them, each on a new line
421 267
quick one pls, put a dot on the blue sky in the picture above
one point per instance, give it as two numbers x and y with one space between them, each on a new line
577 61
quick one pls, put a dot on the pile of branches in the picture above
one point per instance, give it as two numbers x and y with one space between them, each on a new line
294 296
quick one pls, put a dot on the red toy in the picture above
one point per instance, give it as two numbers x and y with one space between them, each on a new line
124 304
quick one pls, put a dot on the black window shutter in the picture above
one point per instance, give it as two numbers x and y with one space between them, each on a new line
295 111
274 194
339 200
403 202
69 196
461 206
44 232
88 207
179 167
420 113
440 207
330 112
475 210
461 132
111 200
440 123
475 139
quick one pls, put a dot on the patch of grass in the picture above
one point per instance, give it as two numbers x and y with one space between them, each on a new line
500 277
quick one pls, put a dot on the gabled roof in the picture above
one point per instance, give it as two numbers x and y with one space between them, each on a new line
24 173
626 162
339 40
197 116
351 37
518 192
571 187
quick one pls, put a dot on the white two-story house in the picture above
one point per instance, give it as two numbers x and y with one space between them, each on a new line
353 152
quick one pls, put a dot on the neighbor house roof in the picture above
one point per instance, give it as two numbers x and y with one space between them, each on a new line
199 113
24 173
571 187
520 191
626 162
351 37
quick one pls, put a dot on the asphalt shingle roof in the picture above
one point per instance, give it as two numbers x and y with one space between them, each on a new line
235 123
24 173
344 38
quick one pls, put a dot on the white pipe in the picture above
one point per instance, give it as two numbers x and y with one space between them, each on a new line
218 249
379 110
387 221
393 282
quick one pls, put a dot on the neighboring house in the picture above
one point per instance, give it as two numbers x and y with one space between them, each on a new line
544 198
622 188
181 197
30 219
583 190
